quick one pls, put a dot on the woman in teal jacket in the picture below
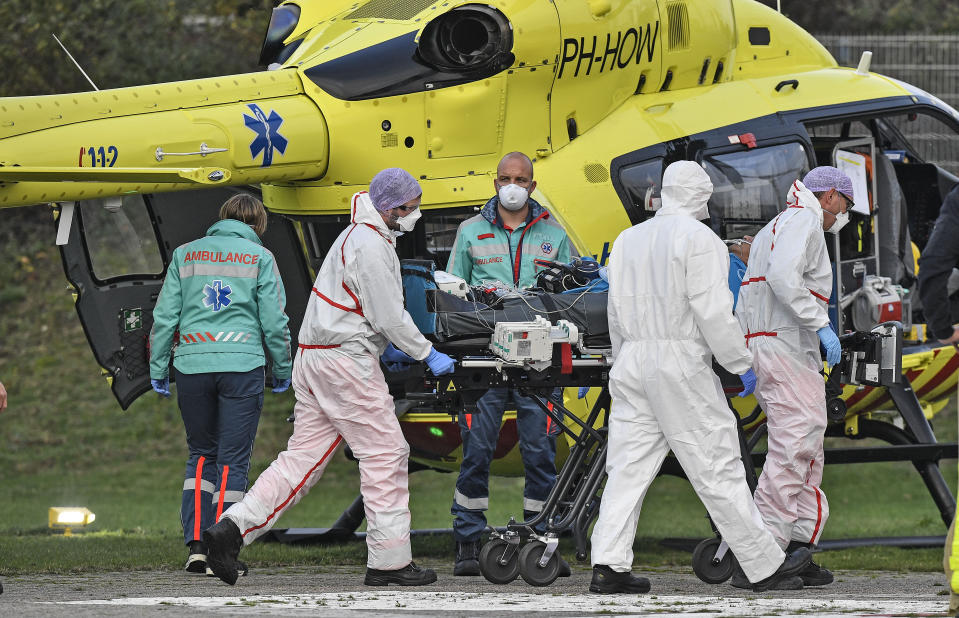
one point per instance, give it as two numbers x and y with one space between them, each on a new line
221 303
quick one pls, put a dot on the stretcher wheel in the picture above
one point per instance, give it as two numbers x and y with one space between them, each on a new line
706 568
499 561
529 568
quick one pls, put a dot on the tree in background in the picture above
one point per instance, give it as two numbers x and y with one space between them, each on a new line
126 42
873 16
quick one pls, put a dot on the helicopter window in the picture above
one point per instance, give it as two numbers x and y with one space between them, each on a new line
927 138
749 186
825 136
282 24
844 130
642 183
433 237
119 237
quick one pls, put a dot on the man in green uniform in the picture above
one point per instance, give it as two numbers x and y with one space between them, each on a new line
503 243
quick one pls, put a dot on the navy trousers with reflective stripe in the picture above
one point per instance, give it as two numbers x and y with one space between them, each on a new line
537 449
220 412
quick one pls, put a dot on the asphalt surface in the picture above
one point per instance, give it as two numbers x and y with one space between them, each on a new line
340 592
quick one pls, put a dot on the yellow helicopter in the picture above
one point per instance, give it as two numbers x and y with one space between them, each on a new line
603 94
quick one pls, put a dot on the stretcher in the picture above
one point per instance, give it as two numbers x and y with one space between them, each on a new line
872 358
537 342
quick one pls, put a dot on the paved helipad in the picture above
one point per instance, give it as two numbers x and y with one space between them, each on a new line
325 592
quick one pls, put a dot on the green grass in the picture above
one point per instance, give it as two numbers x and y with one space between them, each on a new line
65 442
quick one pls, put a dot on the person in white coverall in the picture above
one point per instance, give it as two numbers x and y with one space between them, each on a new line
356 310
670 310
782 310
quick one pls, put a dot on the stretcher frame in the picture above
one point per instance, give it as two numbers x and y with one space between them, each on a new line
518 549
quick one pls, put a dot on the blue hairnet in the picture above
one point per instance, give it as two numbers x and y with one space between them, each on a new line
393 187
826 177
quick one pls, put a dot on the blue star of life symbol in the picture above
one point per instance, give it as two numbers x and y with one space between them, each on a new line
546 247
217 295
267 129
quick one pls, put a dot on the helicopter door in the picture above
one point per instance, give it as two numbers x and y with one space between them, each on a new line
855 250
116 265
116 256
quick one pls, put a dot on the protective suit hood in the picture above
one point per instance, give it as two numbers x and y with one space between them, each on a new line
686 189
799 195
364 212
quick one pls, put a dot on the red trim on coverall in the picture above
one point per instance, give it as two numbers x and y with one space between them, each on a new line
818 507
298 487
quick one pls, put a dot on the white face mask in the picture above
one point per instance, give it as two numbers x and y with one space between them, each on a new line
841 220
513 197
407 223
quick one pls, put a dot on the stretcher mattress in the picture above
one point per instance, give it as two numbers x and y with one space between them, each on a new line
460 324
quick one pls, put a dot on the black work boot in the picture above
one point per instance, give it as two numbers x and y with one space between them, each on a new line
223 543
739 580
812 575
792 565
241 569
410 575
467 558
196 562
607 581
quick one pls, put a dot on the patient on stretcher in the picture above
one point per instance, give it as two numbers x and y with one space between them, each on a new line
460 324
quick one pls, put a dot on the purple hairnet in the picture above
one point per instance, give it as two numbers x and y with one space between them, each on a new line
826 177
393 187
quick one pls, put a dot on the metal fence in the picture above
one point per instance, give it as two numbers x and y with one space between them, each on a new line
928 61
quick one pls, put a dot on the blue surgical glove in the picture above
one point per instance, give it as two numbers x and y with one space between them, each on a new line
831 343
280 385
749 383
392 355
440 363
161 386
582 392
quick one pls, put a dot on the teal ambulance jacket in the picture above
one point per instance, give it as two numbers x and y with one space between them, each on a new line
222 300
486 250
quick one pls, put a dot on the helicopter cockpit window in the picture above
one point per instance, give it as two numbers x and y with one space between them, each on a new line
466 44
749 187
119 237
282 24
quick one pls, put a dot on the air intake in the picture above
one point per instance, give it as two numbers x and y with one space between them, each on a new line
390 9
472 37
678 33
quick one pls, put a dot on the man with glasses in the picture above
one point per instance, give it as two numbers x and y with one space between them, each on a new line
782 310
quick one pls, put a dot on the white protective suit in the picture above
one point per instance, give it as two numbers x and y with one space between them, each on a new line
341 394
782 303
670 311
